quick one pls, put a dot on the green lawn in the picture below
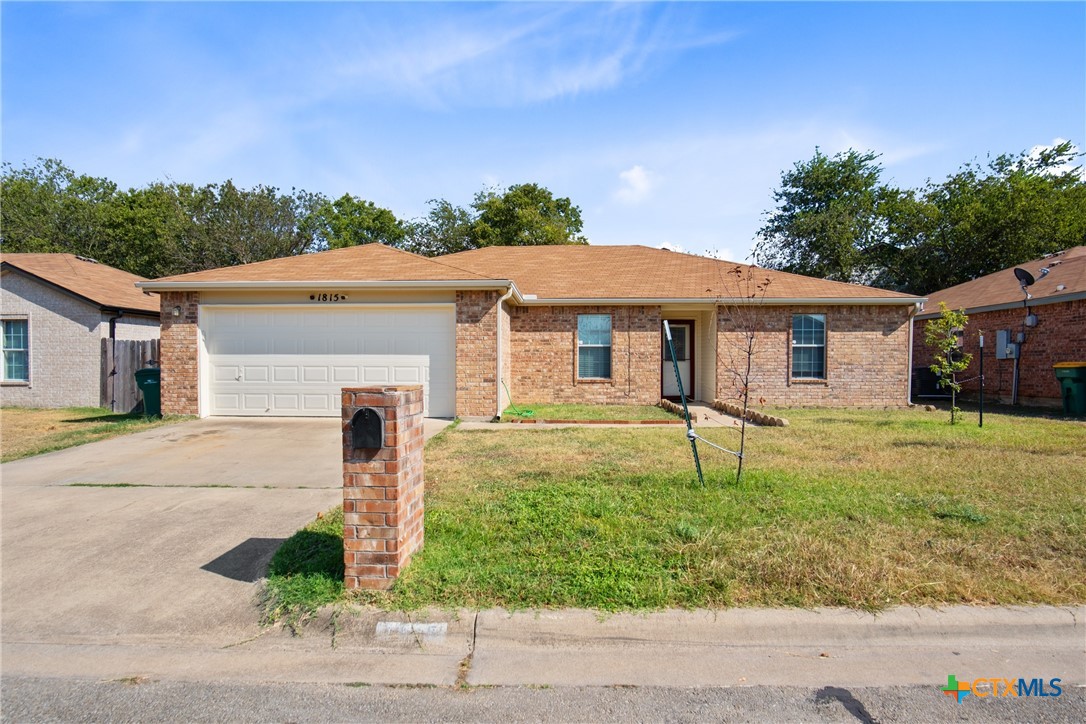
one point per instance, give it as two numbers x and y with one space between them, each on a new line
27 431
586 412
843 508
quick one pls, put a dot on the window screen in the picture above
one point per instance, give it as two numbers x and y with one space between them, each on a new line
809 346
16 348
594 346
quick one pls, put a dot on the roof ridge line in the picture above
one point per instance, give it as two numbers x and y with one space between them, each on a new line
434 260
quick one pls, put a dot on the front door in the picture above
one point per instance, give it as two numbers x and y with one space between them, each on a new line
682 336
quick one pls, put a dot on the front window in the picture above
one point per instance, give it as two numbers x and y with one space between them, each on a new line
593 346
809 346
16 351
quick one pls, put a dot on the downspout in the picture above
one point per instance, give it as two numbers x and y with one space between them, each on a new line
912 324
498 377
113 354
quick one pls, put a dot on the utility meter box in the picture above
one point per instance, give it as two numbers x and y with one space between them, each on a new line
1005 347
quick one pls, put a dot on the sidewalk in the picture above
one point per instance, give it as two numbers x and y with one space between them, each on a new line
700 413
567 648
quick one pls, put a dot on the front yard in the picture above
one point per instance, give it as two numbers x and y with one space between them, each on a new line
865 509
26 431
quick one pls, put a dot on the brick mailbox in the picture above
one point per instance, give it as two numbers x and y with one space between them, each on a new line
382 483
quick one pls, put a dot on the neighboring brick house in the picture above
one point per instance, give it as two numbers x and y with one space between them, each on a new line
548 324
1052 324
55 310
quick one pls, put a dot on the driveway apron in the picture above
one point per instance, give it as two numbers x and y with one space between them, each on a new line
158 537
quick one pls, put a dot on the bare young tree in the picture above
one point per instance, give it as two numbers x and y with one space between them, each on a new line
743 290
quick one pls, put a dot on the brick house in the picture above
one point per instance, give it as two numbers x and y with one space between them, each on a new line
1052 324
56 310
542 324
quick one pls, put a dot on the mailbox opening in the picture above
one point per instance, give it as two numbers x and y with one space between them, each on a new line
367 429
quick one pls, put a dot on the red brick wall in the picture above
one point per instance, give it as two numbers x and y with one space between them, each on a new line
476 353
1060 336
543 348
179 344
382 488
867 351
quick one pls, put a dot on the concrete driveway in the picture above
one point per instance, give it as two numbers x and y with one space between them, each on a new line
173 561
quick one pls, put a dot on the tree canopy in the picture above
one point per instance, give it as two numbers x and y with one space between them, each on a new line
522 215
158 230
826 218
349 221
525 215
836 219
171 228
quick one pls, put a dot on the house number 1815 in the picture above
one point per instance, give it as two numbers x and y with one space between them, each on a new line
327 297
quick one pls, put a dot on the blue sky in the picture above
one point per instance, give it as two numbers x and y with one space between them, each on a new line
665 123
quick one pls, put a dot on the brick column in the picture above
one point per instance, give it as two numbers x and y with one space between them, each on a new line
179 353
382 488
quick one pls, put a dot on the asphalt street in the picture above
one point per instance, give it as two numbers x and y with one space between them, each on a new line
82 700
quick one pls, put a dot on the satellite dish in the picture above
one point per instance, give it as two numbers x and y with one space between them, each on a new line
1024 277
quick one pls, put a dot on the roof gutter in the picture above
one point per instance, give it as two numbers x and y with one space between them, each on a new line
504 285
531 300
1034 302
194 286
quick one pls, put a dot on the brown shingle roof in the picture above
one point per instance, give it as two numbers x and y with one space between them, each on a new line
548 272
366 263
103 285
1067 268
639 272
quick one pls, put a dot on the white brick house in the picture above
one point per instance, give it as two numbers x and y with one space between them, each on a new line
55 311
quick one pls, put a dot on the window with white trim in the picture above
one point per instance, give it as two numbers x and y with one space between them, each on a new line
593 346
16 351
809 346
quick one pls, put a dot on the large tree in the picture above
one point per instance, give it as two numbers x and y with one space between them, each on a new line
224 225
48 207
446 229
985 218
525 215
522 215
835 220
350 221
826 222
157 230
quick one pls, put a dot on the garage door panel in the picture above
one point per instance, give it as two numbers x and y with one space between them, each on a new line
375 375
255 401
225 373
226 402
345 375
284 373
286 403
290 362
320 403
254 373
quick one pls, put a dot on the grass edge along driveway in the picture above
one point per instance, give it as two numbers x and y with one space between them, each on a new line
864 509
26 431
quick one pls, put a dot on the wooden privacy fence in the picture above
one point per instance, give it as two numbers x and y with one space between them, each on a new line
120 360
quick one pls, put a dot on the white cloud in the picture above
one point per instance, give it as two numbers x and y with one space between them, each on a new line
510 54
671 247
637 183
1063 168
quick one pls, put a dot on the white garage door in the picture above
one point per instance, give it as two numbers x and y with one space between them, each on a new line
293 362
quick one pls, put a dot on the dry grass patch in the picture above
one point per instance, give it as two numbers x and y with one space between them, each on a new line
27 431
